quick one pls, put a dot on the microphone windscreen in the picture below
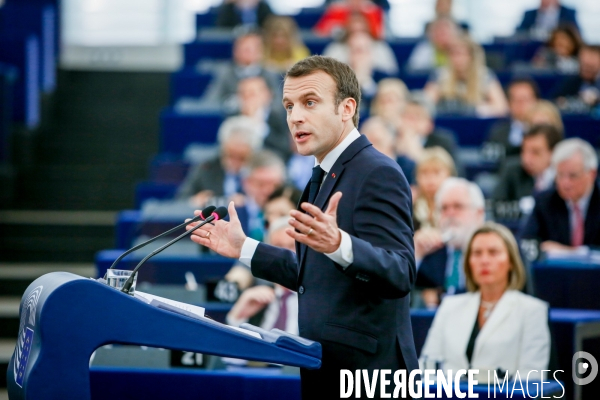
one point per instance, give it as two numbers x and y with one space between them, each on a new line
220 213
207 212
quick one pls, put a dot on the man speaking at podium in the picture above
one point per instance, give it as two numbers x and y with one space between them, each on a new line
355 265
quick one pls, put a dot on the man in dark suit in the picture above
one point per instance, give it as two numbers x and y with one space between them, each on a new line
247 59
505 136
568 216
439 251
584 87
354 267
238 138
541 21
256 102
531 172
250 13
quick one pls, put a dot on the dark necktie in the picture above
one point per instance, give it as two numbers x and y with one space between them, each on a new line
281 321
315 183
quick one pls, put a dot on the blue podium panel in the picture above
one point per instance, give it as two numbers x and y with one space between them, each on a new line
122 383
65 317
167 269
567 283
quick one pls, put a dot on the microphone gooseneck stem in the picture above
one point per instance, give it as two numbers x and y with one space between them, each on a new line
139 246
129 281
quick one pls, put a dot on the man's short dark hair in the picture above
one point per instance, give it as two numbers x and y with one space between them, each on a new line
591 47
552 135
524 80
344 77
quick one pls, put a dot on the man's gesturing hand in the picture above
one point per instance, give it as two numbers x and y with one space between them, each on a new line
225 238
319 231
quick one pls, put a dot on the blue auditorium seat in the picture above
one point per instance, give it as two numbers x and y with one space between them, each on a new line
179 130
188 83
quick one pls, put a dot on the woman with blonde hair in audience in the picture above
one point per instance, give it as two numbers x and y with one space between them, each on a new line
283 46
494 325
545 112
389 101
466 85
433 167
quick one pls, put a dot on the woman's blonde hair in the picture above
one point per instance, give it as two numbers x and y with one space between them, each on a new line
436 155
287 25
517 276
551 111
389 85
474 92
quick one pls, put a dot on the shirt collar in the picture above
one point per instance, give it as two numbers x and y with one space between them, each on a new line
337 151
583 202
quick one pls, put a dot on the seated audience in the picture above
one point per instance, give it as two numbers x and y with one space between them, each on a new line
265 173
434 166
283 45
389 102
466 85
432 52
584 88
545 112
251 13
568 216
439 251
256 102
560 52
238 138
383 57
531 173
266 306
336 16
360 46
418 132
539 23
493 326
383 139
281 202
505 136
246 62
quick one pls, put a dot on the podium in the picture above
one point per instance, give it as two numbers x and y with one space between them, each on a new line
65 317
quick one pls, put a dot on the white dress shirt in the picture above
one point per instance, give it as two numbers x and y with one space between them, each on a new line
344 255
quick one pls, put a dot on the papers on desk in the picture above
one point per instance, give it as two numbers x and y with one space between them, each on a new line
171 305
187 310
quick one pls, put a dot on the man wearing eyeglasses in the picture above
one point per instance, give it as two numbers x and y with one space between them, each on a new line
568 216
439 251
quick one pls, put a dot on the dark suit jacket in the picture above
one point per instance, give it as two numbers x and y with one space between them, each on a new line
550 219
229 16
207 176
432 270
278 139
499 133
514 182
566 16
360 314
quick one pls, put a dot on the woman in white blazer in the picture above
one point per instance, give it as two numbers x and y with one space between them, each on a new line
494 325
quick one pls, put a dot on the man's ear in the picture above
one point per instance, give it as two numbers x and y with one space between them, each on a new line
348 108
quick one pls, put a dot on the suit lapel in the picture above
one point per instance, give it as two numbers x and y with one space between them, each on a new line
562 224
333 177
498 315
463 326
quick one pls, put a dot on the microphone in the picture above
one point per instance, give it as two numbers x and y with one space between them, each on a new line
218 214
207 211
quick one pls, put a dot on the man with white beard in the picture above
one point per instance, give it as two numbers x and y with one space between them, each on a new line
439 251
